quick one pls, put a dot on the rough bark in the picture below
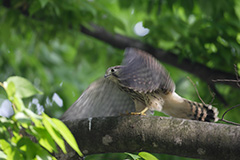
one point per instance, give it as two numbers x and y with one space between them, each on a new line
154 134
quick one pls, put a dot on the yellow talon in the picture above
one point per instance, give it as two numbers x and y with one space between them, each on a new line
140 113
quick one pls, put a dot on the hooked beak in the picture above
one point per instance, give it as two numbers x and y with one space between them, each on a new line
105 76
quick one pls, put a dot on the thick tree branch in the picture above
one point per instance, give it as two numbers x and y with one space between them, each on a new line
197 69
154 134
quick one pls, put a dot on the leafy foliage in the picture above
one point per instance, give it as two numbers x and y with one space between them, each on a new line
200 30
21 132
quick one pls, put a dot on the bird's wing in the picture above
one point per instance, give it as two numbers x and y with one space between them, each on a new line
142 72
101 99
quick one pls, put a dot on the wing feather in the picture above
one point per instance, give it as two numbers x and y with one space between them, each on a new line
143 73
101 99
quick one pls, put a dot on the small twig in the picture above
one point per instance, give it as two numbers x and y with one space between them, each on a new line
222 119
231 80
14 107
196 90
212 94
230 122
226 80
220 97
229 110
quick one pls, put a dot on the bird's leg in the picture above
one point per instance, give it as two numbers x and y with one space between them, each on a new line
140 108
140 113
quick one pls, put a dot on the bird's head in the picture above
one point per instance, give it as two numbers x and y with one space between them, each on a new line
112 73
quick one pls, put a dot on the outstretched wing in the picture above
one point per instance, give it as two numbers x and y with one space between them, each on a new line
101 99
142 72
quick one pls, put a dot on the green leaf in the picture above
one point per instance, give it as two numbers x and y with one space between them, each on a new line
238 35
22 118
36 119
32 149
44 155
147 156
47 121
44 138
43 3
16 137
29 147
11 152
3 155
67 135
32 114
35 6
18 103
15 154
6 122
133 156
5 146
23 87
4 133
10 89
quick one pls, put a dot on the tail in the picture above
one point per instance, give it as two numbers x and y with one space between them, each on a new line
179 107
202 112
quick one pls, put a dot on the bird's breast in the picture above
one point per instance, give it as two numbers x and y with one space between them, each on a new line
154 101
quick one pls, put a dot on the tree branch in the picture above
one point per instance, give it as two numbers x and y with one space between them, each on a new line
154 134
199 70
220 97
119 41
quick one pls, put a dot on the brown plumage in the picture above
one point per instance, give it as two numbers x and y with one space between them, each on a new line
151 88
143 73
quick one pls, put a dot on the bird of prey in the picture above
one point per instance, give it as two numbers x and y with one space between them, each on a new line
144 85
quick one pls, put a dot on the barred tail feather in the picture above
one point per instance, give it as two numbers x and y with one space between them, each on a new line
179 107
203 112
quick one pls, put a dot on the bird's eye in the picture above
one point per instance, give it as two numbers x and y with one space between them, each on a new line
112 70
